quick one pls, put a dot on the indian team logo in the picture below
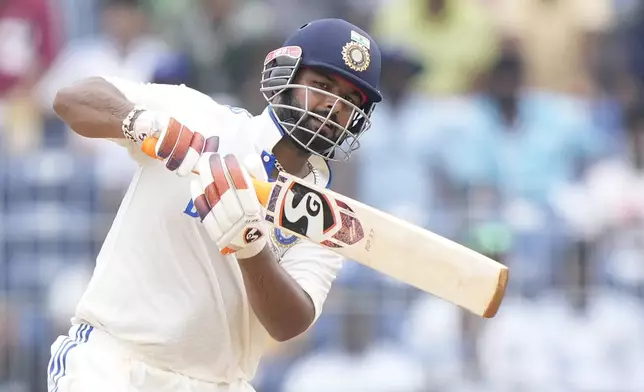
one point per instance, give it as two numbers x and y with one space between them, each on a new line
282 239
281 242
356 56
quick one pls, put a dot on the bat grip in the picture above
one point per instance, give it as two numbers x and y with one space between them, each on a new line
263 189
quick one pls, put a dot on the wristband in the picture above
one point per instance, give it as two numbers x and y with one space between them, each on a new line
127 125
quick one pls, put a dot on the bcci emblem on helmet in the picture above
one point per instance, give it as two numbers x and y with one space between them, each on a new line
356 56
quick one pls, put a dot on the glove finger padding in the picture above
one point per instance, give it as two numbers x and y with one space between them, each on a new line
203 209
191 157
215 185
228 206
181 148
170 130
243 184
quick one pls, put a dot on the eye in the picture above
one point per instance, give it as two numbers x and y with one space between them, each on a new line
352 98
320 85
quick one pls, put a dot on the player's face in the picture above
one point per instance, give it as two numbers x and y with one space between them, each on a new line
123 23
325 105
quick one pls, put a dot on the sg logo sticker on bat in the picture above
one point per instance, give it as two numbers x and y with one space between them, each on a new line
307 212
310 213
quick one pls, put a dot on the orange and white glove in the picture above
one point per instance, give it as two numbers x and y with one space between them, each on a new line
177 146
227 204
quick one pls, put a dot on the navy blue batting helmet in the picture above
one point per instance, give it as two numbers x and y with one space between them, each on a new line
333 46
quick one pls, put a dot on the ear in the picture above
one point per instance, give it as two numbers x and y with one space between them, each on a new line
297 78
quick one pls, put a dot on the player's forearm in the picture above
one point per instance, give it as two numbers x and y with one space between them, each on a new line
279 302
93 108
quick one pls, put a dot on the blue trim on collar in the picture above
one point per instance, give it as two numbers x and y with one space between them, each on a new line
273 116
269 163
328 185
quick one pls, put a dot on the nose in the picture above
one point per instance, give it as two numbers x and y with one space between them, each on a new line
334 106
332 103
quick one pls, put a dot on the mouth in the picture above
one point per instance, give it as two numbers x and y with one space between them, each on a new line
325 129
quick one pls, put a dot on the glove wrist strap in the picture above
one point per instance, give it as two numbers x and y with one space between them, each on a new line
251 250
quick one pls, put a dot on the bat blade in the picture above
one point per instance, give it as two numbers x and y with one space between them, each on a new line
392 246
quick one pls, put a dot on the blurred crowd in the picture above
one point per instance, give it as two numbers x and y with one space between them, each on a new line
515 127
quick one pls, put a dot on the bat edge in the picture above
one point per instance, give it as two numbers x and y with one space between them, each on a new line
499 294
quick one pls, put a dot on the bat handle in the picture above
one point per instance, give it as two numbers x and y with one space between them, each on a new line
263 189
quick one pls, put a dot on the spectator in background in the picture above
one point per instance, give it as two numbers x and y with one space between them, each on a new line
445 337
6 336
521 144
279 359
361 362
209 30
620 76
391 171
28 44
302 11
79 16
9 352
29 36
242 72
391 166
455 39
18 370
579 336
630 32
433 333
625 55
557 38
125 48
174 68
606 208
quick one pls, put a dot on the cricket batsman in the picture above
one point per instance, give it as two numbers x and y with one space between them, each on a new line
190 281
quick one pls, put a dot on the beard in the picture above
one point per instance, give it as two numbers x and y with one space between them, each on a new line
308 136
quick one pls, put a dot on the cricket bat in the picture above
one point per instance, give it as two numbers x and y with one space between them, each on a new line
392 246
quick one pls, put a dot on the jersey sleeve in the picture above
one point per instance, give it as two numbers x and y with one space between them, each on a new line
147 95
314 268
157 96
196 110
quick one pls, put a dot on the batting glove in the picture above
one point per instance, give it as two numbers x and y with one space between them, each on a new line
177 146
227 204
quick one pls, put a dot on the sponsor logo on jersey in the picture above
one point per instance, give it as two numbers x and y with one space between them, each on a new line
191 210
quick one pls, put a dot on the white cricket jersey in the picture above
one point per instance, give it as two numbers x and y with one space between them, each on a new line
160 285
